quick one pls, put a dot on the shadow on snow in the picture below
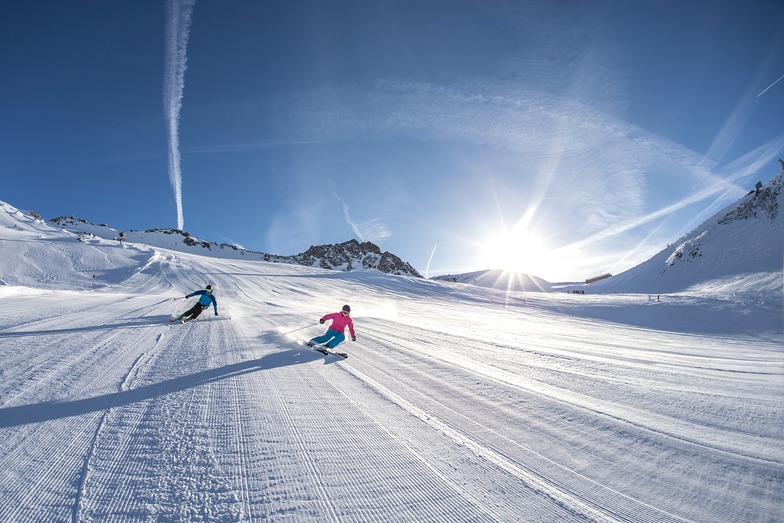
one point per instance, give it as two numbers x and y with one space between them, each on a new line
52 410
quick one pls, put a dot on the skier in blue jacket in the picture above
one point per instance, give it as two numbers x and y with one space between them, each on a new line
205 298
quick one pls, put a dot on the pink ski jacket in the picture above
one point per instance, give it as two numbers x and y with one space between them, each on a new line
340 322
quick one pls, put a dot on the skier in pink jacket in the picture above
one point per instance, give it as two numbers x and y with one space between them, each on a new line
336 332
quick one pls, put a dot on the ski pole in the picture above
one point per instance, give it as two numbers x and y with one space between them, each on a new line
305 327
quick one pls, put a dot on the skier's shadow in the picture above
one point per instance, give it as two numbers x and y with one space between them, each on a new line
130 323
291 356
51 410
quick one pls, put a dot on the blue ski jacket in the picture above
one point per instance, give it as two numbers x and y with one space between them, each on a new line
205 298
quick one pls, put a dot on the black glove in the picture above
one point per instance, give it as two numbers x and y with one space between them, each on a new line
321 320
216 314
353 338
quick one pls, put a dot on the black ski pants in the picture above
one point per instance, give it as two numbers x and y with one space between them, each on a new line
194 311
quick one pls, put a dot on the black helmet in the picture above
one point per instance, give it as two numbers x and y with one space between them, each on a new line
209 287
347 308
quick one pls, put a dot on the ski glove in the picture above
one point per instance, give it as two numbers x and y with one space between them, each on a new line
321 320
353 338
216 314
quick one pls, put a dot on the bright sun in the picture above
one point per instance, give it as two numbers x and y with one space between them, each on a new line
516 251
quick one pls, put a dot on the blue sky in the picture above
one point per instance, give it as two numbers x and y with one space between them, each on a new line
564 139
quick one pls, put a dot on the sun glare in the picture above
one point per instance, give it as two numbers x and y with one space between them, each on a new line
516 251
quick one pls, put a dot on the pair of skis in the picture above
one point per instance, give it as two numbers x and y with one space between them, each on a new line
179 318
326 351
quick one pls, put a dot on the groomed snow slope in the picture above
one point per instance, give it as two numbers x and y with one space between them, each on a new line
457 403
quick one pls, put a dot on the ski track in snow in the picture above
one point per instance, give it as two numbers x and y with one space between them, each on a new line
452 406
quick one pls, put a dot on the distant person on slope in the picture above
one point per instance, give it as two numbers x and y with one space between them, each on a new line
336 332
205 298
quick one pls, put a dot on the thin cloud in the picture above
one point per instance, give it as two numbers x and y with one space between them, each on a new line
178 23
735 123
522 121
244 147
741 168
584 149
771 85
602 170
373 230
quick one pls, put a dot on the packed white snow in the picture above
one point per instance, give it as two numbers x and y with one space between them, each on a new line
457 403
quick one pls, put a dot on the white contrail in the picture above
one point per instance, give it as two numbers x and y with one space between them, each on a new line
427 269
771 85
178 25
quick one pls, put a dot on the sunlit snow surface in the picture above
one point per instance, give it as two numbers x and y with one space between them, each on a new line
457 403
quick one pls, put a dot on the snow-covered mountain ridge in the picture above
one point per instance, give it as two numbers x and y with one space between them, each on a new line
738 248
347 256
739 245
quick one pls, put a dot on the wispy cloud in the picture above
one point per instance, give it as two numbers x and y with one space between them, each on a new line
721 185
585 148
582 147
178 23
718 188
596 174
373 230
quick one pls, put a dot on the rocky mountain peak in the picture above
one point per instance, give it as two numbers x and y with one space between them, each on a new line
760 203
353 255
